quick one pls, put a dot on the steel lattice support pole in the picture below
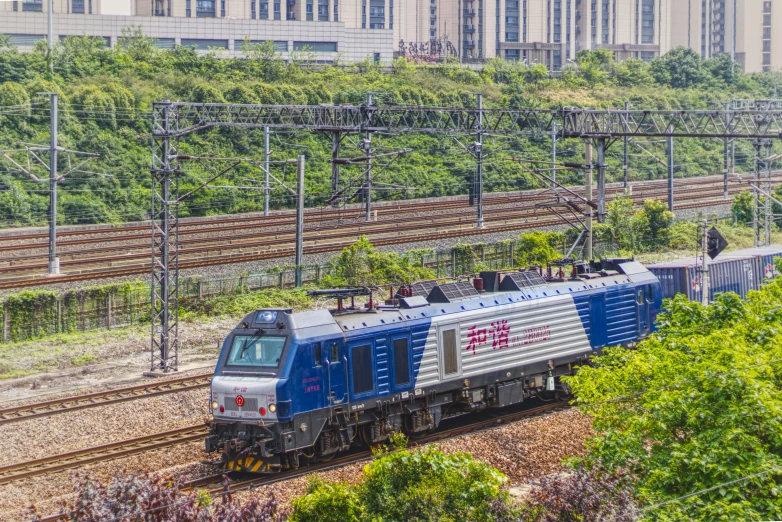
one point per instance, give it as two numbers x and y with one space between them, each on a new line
54 262
553 153
266 171
165 236
299 219
756 195
670 173
588 196
479 167
368 180
726 161
335 141
768 214
601 180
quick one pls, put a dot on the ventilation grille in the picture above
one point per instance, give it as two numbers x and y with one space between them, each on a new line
424 288
521 280
450 292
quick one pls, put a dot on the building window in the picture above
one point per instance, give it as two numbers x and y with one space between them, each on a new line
647 21
605 22
252 9
390 14
77 7
557 21
204 45
32 6
277 11
187 9
323 10
222 8
205 8
316 47
377 14
291 14
766 7
310 15
766 19
511 37
512 54
363 14
336 10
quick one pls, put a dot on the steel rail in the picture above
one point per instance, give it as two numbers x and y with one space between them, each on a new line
358 456
92 400
283 236
115 450
281 253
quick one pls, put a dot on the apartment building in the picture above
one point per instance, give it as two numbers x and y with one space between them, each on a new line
331 29
550 32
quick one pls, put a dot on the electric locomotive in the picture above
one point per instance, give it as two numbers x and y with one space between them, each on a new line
301 386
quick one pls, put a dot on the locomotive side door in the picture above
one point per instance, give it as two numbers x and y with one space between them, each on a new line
642 302
334 360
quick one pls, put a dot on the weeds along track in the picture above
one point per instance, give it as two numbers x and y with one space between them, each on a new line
21 264
92 400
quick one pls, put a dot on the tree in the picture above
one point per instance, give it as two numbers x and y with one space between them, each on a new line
595 66
361 264
694 413
741 206
680 68
659 219
136 45
632 72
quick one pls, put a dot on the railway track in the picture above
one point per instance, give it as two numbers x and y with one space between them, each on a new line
91 400
116 450
240 257
197 252
459 429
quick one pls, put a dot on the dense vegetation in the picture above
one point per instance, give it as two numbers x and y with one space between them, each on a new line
694 413
106 97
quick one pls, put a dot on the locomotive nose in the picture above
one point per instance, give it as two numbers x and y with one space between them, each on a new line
243 398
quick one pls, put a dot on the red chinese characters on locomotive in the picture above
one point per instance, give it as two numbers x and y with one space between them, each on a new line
476 337
499 334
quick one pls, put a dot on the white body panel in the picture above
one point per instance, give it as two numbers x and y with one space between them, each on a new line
505 336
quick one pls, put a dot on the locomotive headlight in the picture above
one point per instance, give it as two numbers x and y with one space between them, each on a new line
214 405
272 408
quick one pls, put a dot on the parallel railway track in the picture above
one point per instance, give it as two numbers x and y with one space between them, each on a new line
111 261
241 483
103 453
91 400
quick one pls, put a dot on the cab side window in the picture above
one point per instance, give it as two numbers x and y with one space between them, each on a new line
649 295
316 354
640 296
334 353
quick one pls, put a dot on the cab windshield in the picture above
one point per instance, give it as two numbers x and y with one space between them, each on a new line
248 350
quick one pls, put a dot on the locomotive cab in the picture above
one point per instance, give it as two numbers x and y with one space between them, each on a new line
251 390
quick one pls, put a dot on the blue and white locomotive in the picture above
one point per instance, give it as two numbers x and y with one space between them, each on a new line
293 386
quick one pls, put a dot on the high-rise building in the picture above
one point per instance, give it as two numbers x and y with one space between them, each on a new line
550 32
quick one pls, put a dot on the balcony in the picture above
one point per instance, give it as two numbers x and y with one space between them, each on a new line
469 12
469 29
469 45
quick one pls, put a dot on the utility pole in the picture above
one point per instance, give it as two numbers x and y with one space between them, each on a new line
588 197
756 196
54 261
479 168
50 36
670 169
299 218
335 141
624 156
368 180
553 152
601 180
266 171
705 266
726 160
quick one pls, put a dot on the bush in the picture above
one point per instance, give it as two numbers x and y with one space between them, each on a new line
152 498
404 486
